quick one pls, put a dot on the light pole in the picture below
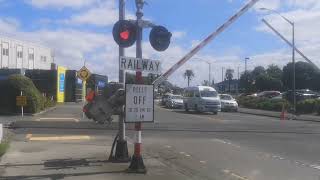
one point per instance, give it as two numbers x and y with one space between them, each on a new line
293 55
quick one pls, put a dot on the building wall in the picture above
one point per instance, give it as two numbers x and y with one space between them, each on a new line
17 54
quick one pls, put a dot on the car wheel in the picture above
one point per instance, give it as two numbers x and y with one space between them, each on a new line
215 113
196 108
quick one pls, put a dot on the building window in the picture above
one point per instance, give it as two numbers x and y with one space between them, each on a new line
43 59
5 52
31 56
20 54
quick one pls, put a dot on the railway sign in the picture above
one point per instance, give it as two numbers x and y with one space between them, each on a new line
84 73
21 100
138 64
139 103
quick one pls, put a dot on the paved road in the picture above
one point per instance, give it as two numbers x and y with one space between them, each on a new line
178 145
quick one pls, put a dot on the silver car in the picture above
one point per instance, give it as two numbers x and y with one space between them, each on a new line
228 103
174 101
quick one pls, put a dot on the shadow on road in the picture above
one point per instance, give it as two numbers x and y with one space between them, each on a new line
58 176
59 164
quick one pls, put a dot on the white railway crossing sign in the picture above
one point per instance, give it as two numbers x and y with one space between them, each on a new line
139 103
137 64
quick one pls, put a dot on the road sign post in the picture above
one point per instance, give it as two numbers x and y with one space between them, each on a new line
84 74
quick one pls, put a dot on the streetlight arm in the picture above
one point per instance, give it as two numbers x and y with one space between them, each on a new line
272 10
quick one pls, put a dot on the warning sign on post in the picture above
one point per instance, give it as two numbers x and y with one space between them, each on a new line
139 103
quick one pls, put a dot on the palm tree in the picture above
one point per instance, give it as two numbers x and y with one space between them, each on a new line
189 75
229 76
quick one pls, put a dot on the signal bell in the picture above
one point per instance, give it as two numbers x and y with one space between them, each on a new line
160 38
124 33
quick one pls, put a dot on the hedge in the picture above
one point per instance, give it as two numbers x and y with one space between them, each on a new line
304 107
262 103
12 88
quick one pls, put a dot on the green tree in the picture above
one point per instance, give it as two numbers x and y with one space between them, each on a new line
229 76
247 82
307 76
188 74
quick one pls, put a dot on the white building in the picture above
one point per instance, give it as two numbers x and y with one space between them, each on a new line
17 54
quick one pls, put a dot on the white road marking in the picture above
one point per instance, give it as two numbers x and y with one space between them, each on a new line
53 118
230 173
182 152
168 146
188 155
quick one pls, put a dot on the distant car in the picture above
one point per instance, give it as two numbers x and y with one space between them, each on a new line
301 94
201 99
174 102
268 94
228 103
279 97
165 98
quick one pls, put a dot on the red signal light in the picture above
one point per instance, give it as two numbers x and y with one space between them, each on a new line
125 35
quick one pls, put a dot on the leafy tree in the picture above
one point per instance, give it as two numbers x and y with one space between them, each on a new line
307 76
258 71
229 76
205 83
247 82
274 71
189 75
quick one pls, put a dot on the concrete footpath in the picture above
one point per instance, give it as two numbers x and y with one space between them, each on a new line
312 118
55 150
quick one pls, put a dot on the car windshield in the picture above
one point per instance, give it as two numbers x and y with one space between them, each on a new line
226 97
176 97
208 93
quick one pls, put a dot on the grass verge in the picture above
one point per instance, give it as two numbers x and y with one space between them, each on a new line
3 148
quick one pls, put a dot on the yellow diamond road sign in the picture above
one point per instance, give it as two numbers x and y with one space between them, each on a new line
84 73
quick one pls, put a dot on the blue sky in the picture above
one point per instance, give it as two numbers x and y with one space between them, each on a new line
78 29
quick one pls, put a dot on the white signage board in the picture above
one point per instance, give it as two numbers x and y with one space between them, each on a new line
1 132
139 103
137 64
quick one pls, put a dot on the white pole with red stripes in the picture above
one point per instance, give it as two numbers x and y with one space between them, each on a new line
205 42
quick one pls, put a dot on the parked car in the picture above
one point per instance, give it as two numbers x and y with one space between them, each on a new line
165 98
301 94
268 94
228 103
202 99
175 101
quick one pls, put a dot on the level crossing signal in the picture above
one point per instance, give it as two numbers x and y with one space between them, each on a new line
124 33
160 38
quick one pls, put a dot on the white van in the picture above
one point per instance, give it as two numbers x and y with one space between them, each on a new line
202 99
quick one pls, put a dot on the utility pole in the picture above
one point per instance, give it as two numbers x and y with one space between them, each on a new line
294 68
137 164
121 154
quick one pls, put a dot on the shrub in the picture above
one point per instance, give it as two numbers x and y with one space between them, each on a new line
308 106
12 88
262 103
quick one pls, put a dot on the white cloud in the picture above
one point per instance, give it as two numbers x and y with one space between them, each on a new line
270 4
60 3
102 14
178 34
